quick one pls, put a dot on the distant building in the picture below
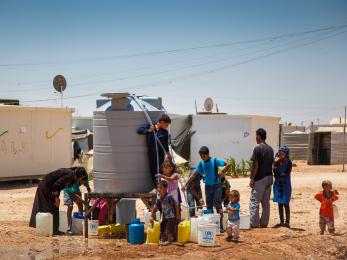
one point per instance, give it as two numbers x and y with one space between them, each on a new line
10 102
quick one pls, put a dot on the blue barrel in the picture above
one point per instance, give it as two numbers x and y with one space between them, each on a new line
136 232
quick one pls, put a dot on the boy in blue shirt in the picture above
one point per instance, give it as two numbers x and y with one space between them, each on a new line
208 169
233 210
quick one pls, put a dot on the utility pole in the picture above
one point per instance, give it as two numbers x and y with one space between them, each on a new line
344 142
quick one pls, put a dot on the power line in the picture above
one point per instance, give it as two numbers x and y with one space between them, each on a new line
202 73
86 60
76 85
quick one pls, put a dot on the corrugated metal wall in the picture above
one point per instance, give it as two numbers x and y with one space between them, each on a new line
298 145
337 148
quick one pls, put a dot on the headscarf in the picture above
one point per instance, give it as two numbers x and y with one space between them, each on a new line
284 149
79 172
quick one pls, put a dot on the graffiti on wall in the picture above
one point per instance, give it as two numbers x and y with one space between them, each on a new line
48 137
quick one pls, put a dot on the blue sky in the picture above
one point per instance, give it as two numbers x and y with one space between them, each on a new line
40 39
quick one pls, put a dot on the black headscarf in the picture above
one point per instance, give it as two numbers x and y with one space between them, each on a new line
79 172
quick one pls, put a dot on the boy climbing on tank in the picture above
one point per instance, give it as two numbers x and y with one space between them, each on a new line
156 150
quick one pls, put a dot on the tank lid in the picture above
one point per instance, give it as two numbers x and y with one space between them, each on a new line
115 95
119 101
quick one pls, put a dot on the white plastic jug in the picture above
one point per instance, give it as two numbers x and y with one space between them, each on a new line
63 225
245 221
44 224
194 222
214 219
92 228
77 226
225 221
207 234
147 217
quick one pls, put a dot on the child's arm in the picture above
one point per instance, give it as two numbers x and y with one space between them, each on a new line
143 130
192 177
334 197
319 197
289 168
154 210
173 177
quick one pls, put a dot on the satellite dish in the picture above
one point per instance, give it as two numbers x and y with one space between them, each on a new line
208 104
59 83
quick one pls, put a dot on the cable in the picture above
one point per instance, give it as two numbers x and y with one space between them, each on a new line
179 68
86 60
202 73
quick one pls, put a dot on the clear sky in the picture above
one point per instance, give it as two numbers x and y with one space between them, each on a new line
299 78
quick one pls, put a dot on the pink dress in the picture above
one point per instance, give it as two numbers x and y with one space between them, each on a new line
172 188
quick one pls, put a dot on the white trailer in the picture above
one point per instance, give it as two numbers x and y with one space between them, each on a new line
33 141
230 135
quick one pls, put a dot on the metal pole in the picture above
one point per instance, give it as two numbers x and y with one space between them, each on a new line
61 96
344 142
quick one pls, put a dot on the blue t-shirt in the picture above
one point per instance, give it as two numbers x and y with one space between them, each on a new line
207 169
232 217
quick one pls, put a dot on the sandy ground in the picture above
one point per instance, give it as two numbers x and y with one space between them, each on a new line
18 241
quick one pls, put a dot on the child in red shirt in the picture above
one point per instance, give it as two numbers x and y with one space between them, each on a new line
326 212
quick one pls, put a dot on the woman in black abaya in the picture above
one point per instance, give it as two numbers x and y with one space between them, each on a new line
48 191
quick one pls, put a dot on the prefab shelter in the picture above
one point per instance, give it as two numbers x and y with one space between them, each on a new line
225 135
33 141
326 147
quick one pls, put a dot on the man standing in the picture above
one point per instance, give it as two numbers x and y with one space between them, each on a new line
261 180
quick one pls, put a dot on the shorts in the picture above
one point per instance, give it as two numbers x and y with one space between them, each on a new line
69 198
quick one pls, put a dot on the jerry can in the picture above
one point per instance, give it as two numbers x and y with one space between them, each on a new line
153 233
183 232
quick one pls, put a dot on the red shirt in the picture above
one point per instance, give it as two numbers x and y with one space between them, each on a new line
326 208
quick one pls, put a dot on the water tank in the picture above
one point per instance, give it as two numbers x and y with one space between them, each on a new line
120 154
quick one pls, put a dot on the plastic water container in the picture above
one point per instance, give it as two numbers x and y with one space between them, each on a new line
77 223
44 224
194 222
125 211
63 225
183 232
225 221
245 221
136 232
147 217
153 233
214 219
93 226
104 231
207 234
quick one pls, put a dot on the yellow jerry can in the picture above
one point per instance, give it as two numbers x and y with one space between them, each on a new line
184 232
104 231
153 233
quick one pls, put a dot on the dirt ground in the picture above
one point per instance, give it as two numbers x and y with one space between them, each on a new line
302 241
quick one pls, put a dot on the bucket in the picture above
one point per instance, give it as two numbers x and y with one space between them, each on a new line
63 225
245 221
77 223
44 224
214 219
194 222
207 235
93 226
